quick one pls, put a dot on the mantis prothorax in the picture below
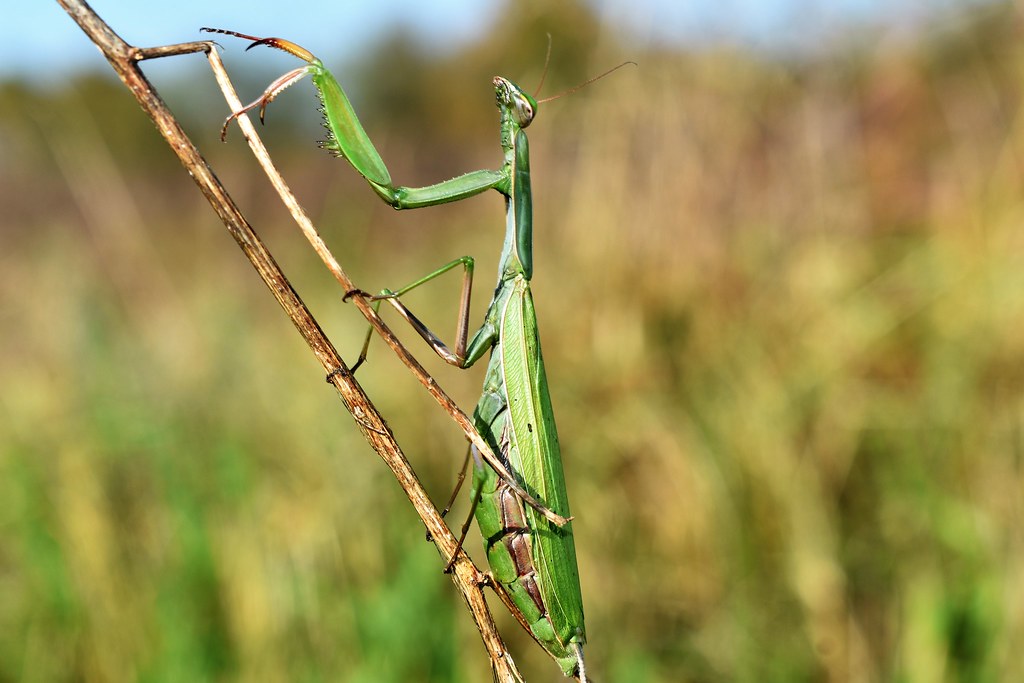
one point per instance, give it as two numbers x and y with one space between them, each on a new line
532 559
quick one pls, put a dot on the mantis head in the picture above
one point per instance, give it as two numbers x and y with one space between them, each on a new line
511 97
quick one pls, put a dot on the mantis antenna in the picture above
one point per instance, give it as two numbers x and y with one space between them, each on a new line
584 83
544 73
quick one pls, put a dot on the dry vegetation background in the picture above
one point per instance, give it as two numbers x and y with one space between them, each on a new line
781 303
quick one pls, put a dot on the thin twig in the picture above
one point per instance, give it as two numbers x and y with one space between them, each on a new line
123 58
141 53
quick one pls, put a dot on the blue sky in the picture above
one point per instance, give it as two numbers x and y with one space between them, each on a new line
39 41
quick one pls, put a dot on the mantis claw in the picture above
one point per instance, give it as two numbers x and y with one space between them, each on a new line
261 41
356 292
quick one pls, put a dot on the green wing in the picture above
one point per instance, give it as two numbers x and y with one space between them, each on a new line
534 453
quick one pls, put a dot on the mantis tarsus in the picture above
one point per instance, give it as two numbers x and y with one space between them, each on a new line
533 559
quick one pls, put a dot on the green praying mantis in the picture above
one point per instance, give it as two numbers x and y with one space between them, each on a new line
531 558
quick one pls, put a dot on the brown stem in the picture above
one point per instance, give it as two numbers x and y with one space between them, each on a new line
124 60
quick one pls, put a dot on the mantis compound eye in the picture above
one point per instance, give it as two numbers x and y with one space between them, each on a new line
524 112
511 96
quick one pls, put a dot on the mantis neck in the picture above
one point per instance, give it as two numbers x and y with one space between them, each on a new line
517 252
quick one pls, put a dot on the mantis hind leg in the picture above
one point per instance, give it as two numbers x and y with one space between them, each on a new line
458 484
475 493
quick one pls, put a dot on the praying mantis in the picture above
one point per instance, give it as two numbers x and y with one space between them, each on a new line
532 559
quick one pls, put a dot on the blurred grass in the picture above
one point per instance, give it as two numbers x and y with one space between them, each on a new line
781 304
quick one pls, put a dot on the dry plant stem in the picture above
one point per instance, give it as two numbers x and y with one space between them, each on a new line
259 150
141 53
123 58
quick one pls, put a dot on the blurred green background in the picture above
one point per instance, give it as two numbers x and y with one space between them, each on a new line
781 301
